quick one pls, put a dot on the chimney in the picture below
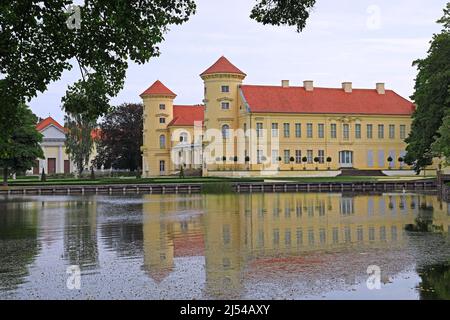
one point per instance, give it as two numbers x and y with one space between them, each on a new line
309 85
347 86
381 88
285 83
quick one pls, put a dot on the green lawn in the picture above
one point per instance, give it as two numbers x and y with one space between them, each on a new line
34 181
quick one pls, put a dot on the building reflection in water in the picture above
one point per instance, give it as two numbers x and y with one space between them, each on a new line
264 235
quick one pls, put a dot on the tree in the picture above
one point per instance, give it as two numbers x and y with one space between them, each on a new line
22 146
442 144
283 12
429 131
38 41
121 138
79 141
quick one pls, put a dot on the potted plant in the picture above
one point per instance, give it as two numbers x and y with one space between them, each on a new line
401 160
389 160
329 161
304 160
292 159
316 160
247 160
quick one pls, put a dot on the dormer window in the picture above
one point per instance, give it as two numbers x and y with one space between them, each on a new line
225 89
162 106
225 105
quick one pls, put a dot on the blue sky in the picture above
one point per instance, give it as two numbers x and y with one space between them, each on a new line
348 40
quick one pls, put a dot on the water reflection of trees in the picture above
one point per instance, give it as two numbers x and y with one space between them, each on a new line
80 233
18 242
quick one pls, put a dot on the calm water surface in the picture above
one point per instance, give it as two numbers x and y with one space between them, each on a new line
259 246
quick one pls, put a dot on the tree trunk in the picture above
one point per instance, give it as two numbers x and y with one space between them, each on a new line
5 176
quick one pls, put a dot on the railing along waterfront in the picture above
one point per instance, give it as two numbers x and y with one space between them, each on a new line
103 189
426 185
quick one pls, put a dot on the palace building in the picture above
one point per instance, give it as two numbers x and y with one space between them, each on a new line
286 130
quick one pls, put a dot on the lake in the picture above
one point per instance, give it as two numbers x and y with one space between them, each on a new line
245 246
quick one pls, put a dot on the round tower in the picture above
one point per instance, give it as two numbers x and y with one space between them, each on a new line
221 92
158 113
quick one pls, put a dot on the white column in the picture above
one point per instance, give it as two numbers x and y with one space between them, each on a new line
60 160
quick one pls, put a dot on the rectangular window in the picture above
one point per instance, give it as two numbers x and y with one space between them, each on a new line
225 88
298 156
298 130
287 130
369 131
162 106
381 131
309 156
276 237
274 130
391 131
162 120
259 129
333 131
275 156
259 154
320 129
309 130
357 131
402 132
225 105
287 155
346 131
321 156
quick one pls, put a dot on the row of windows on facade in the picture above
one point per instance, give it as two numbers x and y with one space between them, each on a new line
346 130
346 207
337 234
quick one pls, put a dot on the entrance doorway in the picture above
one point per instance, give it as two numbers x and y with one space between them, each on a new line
346 159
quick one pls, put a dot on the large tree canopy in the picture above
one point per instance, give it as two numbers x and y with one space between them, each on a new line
22 145
121 138
36 45
429 132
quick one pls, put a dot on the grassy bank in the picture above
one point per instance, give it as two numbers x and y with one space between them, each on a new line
34 181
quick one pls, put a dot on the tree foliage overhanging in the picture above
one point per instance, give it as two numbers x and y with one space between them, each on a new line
430 129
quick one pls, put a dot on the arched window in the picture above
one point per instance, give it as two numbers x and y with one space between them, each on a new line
162 141
183 137
225 131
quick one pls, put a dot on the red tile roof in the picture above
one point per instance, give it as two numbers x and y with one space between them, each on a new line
47 122
223 65
324 100
187 115
158 88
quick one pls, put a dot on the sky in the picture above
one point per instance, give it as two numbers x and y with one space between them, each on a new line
360 41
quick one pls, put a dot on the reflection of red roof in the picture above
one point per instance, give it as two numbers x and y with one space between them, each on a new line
158 88
189 246
223 65
324 100
187 115
96 133
47 122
